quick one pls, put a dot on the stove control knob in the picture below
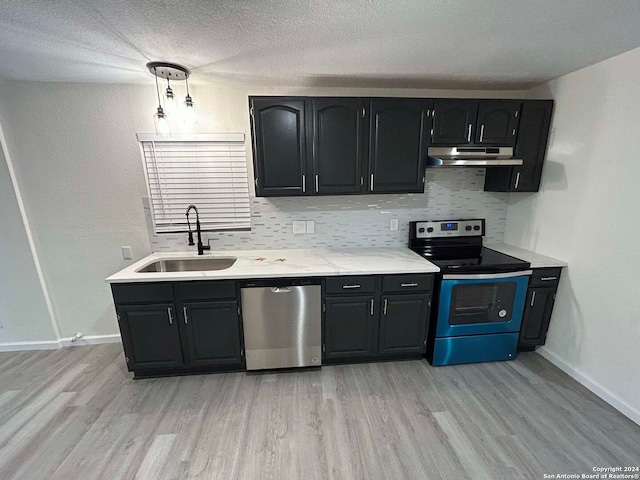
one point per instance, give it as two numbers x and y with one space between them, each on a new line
421 230
430 229
476 227
468 227
502 313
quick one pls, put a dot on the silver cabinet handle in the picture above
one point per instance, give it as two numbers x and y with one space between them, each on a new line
372 182
304 183
481 133
355 285
316 183
186 317
170 315
371 308
384 309
408 284
469 134
545 279
517 180
533 298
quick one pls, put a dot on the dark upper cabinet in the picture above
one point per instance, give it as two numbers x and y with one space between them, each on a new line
403 324
398 145
212 332
348 328
150 336
497 122
279 146
454 122
531 147
338 142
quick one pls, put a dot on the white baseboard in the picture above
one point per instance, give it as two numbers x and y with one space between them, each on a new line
584 379
20 346
90 340
56 344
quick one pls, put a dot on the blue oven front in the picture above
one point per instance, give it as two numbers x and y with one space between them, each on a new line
479 317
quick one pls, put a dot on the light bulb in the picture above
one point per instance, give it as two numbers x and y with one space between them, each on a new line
162 124
189 111
170 103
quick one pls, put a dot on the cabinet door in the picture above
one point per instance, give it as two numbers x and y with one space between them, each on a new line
497 122
337 145
150 336
279 146
348 327
403 324
397 145
454 122
213 332
536 316
531 147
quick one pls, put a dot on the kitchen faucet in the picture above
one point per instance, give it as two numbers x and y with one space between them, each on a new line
201 247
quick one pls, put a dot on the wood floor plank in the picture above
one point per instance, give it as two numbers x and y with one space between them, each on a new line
76 413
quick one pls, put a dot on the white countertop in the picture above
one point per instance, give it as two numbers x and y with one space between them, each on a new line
286 263
536 260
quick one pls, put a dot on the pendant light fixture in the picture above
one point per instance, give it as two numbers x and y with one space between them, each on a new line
189 107
163 116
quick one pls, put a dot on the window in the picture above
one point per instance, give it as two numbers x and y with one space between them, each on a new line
209 171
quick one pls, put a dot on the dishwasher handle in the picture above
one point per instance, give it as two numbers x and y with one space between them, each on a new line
281 289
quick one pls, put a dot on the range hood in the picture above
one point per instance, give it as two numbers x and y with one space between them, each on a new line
471 157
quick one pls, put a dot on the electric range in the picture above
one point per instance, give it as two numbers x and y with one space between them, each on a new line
480 293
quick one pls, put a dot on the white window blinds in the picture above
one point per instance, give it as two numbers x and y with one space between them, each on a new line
209 171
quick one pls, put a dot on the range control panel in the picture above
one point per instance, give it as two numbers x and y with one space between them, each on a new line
449 228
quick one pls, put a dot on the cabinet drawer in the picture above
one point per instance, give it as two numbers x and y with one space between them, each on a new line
207 290
142 292
545 277
351 284
407 283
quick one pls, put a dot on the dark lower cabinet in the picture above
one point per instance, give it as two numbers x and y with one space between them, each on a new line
536 317
150 336
212 333
348 327
538 308
403 324
384 325
179 336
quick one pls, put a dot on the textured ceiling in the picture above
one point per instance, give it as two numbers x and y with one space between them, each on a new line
388 43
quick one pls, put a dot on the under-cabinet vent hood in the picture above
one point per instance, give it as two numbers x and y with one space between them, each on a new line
471 157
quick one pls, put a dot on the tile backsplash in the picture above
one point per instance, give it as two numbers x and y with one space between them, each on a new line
356 220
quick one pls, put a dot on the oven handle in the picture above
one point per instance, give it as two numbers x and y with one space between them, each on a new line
487 276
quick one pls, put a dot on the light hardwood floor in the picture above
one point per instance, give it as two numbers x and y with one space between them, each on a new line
76 413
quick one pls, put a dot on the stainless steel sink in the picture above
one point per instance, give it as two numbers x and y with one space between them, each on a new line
188 264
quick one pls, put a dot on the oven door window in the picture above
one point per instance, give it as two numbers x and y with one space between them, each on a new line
482 303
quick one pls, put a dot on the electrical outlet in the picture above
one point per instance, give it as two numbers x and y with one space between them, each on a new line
299 226
393 224
311 226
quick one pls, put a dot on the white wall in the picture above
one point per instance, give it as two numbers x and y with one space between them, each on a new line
587 214
78 166
23 309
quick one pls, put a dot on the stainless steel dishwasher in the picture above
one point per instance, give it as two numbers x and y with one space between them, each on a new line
282 323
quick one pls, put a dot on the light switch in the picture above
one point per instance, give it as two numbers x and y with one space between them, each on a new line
393 224
126 252
311 226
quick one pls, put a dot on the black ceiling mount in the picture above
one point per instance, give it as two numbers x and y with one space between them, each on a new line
170 71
